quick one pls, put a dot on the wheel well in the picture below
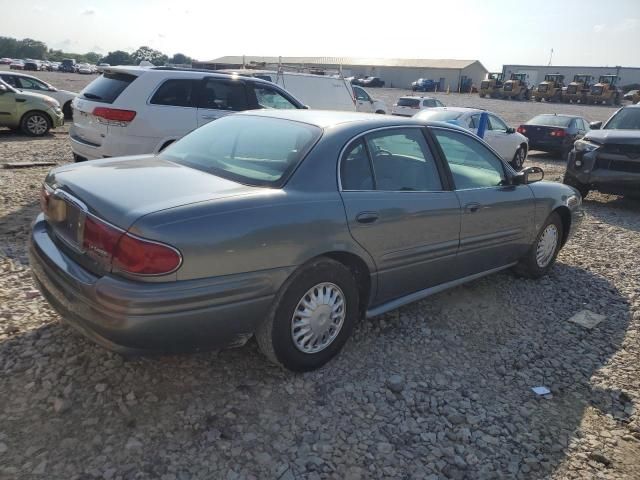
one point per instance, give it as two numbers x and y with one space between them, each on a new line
565 216
36 111
165 145
360 272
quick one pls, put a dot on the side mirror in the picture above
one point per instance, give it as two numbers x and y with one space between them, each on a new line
511 130
595 125
528 175
53 89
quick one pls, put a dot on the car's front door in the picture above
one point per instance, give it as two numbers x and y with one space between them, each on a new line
219 97
497 224
400 209
363 100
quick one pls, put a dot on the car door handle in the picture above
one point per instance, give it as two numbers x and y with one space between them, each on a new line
367 217
472 207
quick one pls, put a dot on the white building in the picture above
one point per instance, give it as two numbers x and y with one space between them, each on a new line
395 72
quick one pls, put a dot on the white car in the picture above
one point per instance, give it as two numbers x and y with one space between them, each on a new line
137 110
101 66
85 69
506 141
410 105
366 103
29 83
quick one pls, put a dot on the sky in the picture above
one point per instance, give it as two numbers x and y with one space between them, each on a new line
496 32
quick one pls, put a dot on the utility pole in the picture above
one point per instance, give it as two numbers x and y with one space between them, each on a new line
550 58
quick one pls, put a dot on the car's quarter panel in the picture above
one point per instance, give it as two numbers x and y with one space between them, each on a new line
551 196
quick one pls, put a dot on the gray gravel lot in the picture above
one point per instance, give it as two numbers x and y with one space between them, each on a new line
438 389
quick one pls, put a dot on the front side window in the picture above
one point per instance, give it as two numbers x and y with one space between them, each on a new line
497 125
361 94
269 98
223 95
247 149
430 103
402 161
30 84
177 92
472 164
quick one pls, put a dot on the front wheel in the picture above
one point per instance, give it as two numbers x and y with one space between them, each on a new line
35 124
542 254
519 158
312 318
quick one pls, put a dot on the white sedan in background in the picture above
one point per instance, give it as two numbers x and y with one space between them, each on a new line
28 83
509 144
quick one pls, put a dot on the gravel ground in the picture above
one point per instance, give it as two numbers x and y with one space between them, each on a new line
438 389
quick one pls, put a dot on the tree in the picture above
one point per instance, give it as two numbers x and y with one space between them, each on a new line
117 58
33 48
92 57
180 59
150 55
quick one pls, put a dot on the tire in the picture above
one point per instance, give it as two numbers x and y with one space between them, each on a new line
380 112
542 254
275 335
482 95
572 182
67 110
518 158
35 124
538 99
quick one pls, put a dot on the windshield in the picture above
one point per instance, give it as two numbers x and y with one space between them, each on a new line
550 120
252 150
625 119
437 115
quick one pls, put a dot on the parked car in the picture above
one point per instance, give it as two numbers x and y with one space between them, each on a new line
505 140
101 66
85 69
424 85
28 83
68 65
554 133
341 214
16 65
136 110
33 65
370 82
5 61
366 103
32 113
410 105
608 159
633 96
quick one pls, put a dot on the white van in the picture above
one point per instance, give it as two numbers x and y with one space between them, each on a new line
319 92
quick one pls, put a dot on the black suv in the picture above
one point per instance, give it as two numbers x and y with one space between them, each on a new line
608 159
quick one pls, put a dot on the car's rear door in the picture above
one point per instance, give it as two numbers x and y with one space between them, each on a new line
171 110
497 217
219 97
401 209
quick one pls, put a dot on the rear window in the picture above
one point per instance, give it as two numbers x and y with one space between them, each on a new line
550 121
258 151
437 115
408 102
107 87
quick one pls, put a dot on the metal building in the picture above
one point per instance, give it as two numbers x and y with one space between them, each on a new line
627 75
452 74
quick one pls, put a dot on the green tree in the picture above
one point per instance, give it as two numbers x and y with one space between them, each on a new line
117 58
32 48
180 59
92 57
150 55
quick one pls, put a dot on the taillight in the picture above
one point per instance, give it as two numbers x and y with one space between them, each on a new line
114 116
119 250
521 129
558 133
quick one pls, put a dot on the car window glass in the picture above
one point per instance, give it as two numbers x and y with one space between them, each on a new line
355 169
429 103
269 98
439 103
177 92
474 121
361 94
221 95
496 124
586 124
31 84
402 161
10 80
472 164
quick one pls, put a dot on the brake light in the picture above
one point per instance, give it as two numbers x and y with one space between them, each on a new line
558 133
119 250
521 129
114 116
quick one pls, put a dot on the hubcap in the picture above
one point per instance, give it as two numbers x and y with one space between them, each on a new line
318 318
37 124
547 245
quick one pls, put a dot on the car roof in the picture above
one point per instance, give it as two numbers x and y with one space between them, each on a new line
329 118
426 97
460 109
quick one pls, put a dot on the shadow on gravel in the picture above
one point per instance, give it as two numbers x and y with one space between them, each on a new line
462 409
7 136
14 231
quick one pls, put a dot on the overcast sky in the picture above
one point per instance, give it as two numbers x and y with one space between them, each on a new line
581 32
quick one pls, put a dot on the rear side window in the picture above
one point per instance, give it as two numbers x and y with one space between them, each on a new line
223 95
408 102
177 92
107 87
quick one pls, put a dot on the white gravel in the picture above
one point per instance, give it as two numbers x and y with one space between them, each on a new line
438 389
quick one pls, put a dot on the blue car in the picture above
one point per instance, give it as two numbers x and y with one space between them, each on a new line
424 85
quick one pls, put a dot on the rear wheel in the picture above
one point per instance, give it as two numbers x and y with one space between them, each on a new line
35 124
312 318
542 254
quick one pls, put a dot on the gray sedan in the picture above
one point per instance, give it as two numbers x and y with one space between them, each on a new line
286 225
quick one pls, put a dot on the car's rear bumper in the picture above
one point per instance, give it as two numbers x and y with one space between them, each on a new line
143 317
111 146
